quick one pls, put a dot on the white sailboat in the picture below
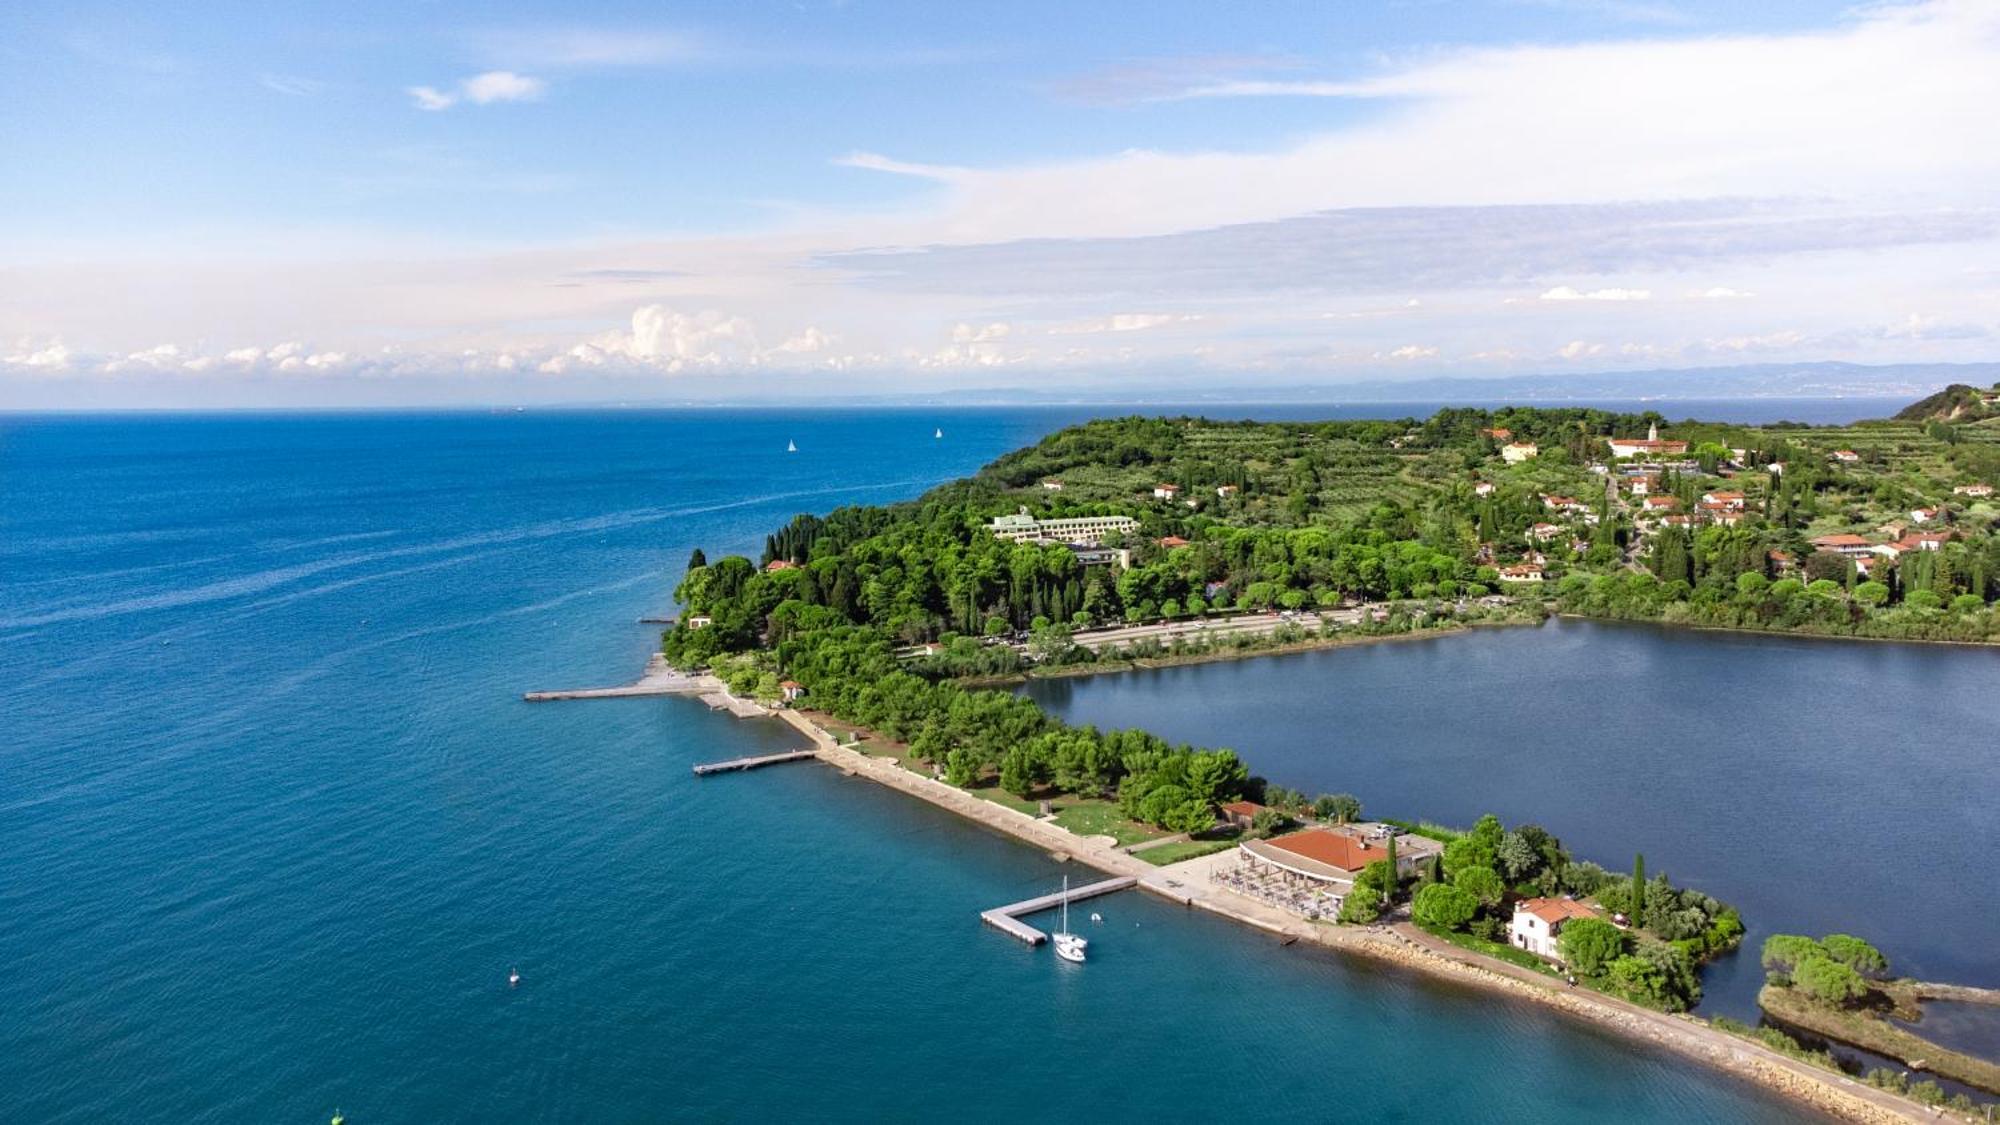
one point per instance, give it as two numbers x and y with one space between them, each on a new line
1069 946
938 432
791 447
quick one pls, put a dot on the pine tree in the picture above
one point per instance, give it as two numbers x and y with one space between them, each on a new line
1639 889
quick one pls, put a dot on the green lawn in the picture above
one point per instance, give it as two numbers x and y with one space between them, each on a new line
1186 849
1089 816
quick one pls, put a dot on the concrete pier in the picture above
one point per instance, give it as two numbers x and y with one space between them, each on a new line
1007 919
706 768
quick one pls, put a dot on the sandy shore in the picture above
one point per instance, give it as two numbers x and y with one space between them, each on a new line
1402 945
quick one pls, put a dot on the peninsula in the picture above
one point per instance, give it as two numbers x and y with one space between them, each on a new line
1145 538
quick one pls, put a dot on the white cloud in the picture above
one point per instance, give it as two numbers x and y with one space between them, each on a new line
1413 351
1120 322
1720 293
52 356
1565 293
431 98
503 86
480 89
1580 349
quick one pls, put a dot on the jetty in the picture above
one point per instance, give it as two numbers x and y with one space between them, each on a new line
660 678
1007 919
751 763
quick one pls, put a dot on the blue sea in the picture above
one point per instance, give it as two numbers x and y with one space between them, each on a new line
275 824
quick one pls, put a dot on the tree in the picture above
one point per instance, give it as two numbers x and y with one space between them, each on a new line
1638 903
1341 807
1483 883
1828 981
1379 877
1361 906
1518 856
961 766
1855 953
697 560
1871 593
1017 775
1783 952
1441 906
1589 944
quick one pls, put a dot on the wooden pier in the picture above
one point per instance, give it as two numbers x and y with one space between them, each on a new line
1007 919
734 764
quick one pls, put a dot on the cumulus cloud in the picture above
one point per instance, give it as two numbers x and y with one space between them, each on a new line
1580 349
1413 351
480 89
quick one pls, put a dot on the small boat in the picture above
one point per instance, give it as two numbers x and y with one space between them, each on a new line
791 447
339 1118
1096 917
1069 946
513 978
937 433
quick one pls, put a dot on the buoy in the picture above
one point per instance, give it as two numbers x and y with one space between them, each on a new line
513 978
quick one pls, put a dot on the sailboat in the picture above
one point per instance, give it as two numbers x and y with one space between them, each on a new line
1069 946
791 447
938 432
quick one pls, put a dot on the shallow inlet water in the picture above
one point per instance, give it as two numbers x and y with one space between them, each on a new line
1820 786
276 824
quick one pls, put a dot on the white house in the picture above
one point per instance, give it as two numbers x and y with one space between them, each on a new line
1923 515
1526 572
1516 452
699 621
1166 491
1225 491
1483 488
1538 923
1846 456
1051 484
1974 490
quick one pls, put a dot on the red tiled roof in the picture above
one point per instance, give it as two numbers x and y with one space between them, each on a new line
1553 910
1840 541
1242 808
781 564
1334 849
1173 541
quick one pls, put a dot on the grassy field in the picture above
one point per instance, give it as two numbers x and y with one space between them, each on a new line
1884 1038
1096 817
1186 849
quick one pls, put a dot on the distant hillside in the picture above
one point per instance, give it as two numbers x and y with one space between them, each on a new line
1956 403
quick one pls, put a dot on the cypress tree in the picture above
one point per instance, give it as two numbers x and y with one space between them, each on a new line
1639 889
697 560
1394 878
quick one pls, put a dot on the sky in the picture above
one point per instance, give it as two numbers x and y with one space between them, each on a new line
376 203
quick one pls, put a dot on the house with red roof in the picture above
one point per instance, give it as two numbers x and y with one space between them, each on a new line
1538 923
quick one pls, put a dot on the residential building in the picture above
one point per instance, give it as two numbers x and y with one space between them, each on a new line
1225 491
1484 488
1973 490
1923 515
1525 572
1172 541
1516 452
780 564
791 690
699 621
1051 484
1853 546
1538 923
1734 500
1498 433
1846 456
1543 532
1166 491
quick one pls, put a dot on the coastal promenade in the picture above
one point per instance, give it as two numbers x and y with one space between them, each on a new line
1401 944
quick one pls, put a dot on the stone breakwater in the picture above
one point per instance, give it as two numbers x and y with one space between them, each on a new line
1404 946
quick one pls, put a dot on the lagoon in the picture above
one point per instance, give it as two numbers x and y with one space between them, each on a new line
1819 785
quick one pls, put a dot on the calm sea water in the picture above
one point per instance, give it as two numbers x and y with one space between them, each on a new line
274 824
